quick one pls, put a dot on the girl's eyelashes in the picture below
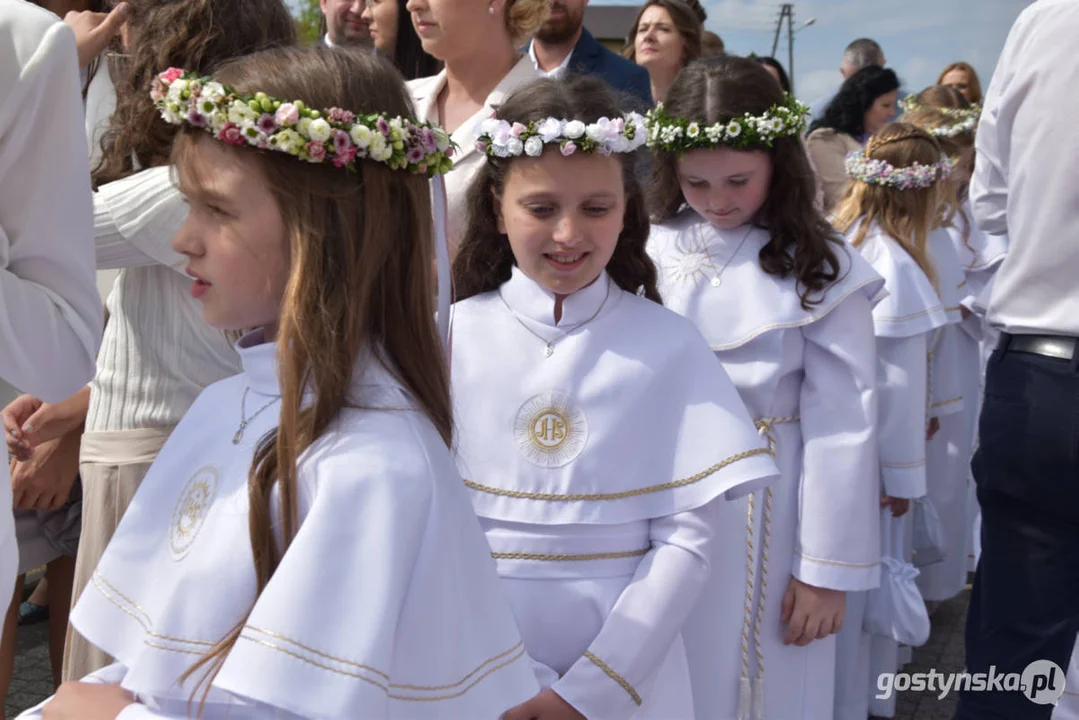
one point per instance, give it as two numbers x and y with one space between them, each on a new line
696 184
739 182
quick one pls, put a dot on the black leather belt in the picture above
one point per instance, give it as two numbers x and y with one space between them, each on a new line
1054 346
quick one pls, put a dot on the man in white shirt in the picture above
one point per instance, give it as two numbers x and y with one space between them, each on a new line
50 312
1024 607
564 45
343 23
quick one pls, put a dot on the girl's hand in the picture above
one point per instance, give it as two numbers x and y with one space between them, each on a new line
94 30
811 613
899 505
548 705
934 428
87 701
28 422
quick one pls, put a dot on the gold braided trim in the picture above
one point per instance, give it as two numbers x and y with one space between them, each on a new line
553 497
957 308
313 651
519 647
614 676
904 318
570 558
903 465
950 401
100 583
173 649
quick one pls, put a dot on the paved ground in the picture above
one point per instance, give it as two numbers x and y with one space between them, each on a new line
32 681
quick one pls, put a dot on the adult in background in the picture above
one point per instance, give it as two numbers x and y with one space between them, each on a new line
393 36
862 106
664 38
343 23
964 78
861 53
775 69
477 41
712 44
563 44
1025 185
49 302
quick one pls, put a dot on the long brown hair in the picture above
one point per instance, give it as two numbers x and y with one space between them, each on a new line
685 21
973 82
359 279
485 259
906 215
195 35
722 88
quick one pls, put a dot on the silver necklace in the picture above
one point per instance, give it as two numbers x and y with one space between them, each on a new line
717 278
548 350
244 420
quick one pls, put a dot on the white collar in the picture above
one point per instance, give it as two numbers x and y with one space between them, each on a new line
557 72
259 360
530 300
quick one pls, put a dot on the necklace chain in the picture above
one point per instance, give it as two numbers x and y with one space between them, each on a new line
549 344
244 420
716 279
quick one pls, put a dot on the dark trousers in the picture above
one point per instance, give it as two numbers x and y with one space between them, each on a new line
1025 602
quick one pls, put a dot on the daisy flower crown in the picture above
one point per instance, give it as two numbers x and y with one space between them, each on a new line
678 135
500 138
881 172
336 136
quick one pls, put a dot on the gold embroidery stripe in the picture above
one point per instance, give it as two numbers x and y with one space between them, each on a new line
570 558
144 622
313 651
521 495
900 466
174 649
950 401
384 688
904 318
614 676
488 661
838 563
957 308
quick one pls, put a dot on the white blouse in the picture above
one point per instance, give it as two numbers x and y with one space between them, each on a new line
158 353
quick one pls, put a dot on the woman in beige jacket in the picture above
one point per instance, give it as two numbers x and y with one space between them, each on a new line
863 105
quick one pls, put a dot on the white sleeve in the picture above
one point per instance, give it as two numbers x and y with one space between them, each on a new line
989 184
607 682
50 324
901 382
838 536
135 219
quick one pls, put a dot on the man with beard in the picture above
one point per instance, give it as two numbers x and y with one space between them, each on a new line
343 23
564 45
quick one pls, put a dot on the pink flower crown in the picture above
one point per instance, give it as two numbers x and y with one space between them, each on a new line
337 136
881 172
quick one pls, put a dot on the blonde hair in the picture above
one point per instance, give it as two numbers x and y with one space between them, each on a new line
906 215
359 285
973 82
524 18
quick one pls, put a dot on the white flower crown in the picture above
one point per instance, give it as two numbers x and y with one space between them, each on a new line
337 136
500 138
881 172
964 120
678 135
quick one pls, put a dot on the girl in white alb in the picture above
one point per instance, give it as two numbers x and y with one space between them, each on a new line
598 434
898 186
302 546
787 308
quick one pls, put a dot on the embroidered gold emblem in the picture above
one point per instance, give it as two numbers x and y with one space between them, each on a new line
550 430
191 510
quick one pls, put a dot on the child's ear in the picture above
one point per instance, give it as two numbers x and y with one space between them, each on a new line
499 219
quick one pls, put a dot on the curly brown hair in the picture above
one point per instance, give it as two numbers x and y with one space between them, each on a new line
195 35
721 88
485 259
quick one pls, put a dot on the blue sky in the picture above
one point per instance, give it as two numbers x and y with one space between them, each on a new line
919 37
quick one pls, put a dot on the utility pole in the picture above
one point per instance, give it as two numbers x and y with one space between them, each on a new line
786 14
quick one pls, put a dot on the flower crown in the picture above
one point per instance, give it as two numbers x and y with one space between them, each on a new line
500 138
677 135
881 172
337 136
964 120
